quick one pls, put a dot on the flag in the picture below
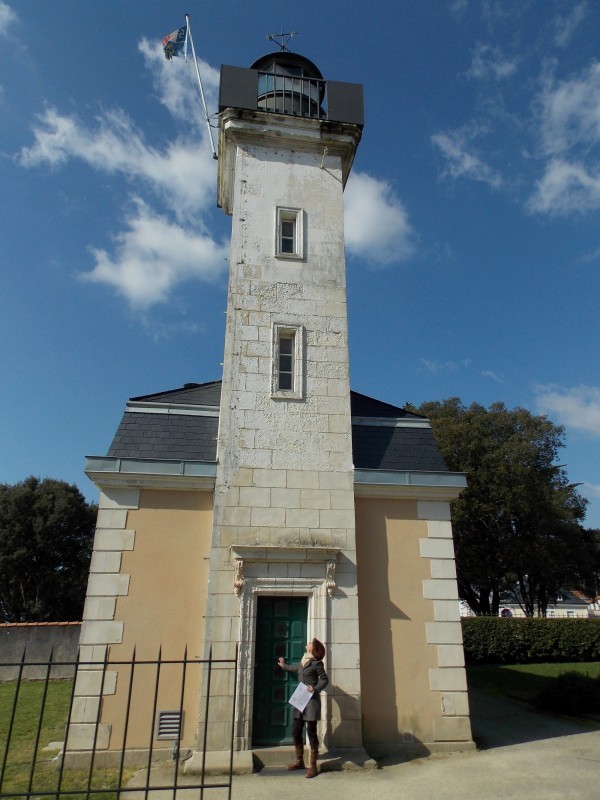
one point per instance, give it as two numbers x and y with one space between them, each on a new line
173 43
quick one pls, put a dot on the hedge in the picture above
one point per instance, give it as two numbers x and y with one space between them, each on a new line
497 640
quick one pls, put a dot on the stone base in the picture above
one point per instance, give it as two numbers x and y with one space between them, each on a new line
217 762
111 759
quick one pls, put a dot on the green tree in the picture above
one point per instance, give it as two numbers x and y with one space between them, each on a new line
589 576
517 523
46 533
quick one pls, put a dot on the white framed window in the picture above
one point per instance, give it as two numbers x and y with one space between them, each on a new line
286 364
287 371
289 233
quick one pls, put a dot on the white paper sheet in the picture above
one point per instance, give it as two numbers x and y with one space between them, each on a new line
300 697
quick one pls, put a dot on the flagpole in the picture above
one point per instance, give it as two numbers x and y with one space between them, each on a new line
206 117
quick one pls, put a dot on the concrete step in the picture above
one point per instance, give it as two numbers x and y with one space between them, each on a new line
277 758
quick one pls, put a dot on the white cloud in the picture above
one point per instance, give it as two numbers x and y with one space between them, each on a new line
569 129
570 112
488 61
461 161
166 240
590 489
459 6
173 86
565 27
592 256
7 18
183 173
566 188
153 255
376 223
439 366
578 407
492 376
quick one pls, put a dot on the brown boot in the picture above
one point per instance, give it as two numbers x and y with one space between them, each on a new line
298 762
312 771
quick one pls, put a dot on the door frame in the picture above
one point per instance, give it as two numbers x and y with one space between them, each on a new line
253 579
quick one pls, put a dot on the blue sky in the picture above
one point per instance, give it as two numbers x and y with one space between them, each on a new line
472 216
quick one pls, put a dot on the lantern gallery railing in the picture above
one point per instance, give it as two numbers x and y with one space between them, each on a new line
299 96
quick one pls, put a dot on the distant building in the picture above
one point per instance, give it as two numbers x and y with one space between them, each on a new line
275 505
565 605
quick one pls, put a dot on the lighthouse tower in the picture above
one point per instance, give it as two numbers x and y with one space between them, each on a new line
283 553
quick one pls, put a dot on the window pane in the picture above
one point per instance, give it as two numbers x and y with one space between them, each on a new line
285 380
287 236
285 364
285 361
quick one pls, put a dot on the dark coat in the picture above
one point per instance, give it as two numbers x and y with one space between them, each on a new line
313 674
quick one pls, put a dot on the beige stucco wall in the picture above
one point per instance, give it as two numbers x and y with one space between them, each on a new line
397 703
169 573
164 608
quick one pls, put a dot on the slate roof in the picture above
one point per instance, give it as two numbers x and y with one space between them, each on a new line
166 436
193 437
410 449
197 394
363 406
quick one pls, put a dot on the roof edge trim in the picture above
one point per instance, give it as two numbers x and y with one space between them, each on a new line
188 410
431 486
410 478
117 473
391 422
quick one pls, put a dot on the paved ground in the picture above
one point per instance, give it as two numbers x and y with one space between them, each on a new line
524 755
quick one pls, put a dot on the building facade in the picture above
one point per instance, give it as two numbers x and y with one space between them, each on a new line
250 514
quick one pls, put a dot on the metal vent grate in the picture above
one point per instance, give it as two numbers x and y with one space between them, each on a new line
168 725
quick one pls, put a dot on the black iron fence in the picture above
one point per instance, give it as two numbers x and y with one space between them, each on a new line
114 728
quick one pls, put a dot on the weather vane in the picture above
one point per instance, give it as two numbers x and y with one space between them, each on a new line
280 39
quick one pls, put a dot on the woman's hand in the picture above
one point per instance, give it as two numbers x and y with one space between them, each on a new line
281 662
310 689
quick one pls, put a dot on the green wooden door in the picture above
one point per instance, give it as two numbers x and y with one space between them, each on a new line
280 631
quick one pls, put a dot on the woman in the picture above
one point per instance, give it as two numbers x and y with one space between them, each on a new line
311 672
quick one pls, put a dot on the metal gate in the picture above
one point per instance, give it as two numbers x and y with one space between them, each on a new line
37 699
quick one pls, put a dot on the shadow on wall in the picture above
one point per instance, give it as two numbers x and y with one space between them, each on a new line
348 707
347 717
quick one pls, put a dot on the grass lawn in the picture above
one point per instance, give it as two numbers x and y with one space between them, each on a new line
20 756
524 681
